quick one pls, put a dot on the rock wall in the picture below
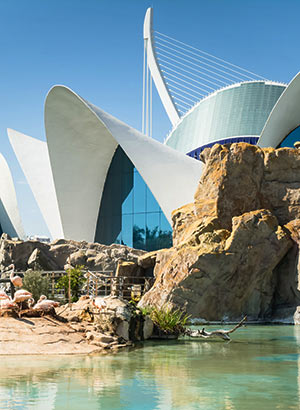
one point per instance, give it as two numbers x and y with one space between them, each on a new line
61 254
236 247
79 328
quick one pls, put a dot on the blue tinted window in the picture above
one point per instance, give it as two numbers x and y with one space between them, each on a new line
139 201
127 205
139 231
127 227
152 220
129 213
291 138
151 203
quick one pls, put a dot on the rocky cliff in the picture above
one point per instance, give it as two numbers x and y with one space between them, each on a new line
236 247
62 253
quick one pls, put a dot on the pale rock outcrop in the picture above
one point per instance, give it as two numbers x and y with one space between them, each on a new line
42 336
62 254
39 259
77 258
117 317
227 273
147 260
235 249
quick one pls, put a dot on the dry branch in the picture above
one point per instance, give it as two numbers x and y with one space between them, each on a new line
223 334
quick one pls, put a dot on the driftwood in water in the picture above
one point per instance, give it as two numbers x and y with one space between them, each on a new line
223 334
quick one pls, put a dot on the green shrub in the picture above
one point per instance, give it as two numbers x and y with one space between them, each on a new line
35 283
167 319
146 310
77 280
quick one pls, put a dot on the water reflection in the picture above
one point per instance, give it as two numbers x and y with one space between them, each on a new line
252 371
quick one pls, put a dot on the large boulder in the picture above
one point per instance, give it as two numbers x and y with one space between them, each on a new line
61 251
227 274
18 252
116 317
39 259
236 247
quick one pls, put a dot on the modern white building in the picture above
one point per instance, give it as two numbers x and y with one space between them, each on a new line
98 179
10 220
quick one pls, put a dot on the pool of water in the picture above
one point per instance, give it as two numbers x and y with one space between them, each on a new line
258 369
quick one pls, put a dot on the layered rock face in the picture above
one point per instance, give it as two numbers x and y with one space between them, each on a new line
61 254
235 249
79 328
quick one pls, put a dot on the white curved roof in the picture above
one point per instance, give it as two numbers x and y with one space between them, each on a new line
239 109
284 117
33 157
10 219
220 90
82 140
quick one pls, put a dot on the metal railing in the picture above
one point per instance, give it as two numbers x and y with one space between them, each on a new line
98 283
102 284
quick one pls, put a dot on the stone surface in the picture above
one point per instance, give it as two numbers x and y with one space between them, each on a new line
39 259
55 332
117 317
297 316
226 274
236 248
148 328
61 251
128 268
62 254
42 336
147 260
77 258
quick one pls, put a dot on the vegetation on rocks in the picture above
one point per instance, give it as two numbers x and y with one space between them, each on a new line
166 319
74 276
36 284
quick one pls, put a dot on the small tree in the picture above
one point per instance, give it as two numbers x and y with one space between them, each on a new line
36 284
77 280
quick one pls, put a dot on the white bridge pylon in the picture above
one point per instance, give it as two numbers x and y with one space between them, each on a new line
157 76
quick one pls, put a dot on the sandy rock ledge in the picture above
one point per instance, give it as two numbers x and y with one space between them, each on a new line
80 328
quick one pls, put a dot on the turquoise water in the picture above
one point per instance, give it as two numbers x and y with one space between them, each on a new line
258 369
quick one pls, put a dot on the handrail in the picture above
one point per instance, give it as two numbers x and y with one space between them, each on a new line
99 283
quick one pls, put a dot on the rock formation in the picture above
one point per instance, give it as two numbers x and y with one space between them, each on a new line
61 253
235 249
79 328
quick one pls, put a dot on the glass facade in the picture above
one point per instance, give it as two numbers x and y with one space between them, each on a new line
129 214
291 138
241 110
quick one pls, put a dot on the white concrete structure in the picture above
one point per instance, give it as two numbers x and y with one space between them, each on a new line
82 140
284 117
68 173
33 157
230 113
10 219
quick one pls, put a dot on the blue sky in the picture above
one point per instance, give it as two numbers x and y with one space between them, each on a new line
96 48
